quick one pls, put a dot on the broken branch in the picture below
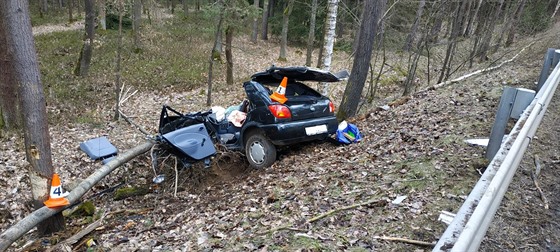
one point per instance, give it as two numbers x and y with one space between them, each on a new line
534 176
331 212
409 241
23 226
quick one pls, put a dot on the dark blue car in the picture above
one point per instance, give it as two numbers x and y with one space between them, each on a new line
306 115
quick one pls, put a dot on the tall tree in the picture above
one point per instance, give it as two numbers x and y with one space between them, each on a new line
118 84
102 15
311 35
9 103
329 40
412 35
452 45
185 7
229 55
489 31
213 53
70 16
265 15
285 26
21 44
255 23
368 28
137 24
513 27
82 68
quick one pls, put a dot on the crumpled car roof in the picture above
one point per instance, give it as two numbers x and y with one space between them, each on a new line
298 73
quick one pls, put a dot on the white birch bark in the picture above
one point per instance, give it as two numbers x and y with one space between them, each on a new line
329 40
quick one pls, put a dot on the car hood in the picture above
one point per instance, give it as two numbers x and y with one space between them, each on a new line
300 73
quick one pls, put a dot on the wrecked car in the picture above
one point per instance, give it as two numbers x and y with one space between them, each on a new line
279 110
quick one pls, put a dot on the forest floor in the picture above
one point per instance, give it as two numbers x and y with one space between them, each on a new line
317 196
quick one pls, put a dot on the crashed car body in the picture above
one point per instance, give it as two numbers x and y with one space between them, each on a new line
306 115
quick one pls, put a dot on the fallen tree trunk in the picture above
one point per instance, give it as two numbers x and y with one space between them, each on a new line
23 226
481 71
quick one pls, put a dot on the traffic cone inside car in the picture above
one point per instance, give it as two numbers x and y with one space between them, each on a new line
280 94
56 197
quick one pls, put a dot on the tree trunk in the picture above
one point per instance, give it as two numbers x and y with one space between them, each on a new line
102 15
23 226
21 44
70 16
9 102
82 68
329 40
285 25
487 37
217 40
266 8
513 27
368 28
311 35
555 10
229 56
255 32
78 7
446 66
472 19
412 35
44 6
118 84
137 24
185 7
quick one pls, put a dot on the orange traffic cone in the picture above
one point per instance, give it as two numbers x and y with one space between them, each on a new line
280 94
56 197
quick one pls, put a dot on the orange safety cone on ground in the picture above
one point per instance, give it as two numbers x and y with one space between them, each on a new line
56 197
280 94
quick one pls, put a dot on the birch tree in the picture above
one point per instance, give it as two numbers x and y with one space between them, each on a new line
20 42
329 40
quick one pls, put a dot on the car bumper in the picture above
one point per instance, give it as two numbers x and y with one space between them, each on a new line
295 132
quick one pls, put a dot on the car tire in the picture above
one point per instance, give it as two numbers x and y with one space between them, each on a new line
260 151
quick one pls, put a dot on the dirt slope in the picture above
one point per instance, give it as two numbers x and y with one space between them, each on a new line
414 150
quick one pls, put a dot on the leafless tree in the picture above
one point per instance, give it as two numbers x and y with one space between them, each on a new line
311 35
9 103
360 68
82 68
285 26
20 42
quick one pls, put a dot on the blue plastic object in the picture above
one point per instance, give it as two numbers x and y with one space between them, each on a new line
348 133
192 141
99 148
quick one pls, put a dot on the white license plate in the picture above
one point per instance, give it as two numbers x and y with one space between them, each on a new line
319 129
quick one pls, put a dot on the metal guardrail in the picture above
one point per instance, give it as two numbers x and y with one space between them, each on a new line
471 222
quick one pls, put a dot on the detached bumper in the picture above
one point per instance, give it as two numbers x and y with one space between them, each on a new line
295 132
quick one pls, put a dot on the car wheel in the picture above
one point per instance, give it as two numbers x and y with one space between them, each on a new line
260 151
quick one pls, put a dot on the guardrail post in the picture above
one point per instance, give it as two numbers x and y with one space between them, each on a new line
500 123
548 62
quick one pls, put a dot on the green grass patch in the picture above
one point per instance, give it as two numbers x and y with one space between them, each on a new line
173 53
305 243
419 175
